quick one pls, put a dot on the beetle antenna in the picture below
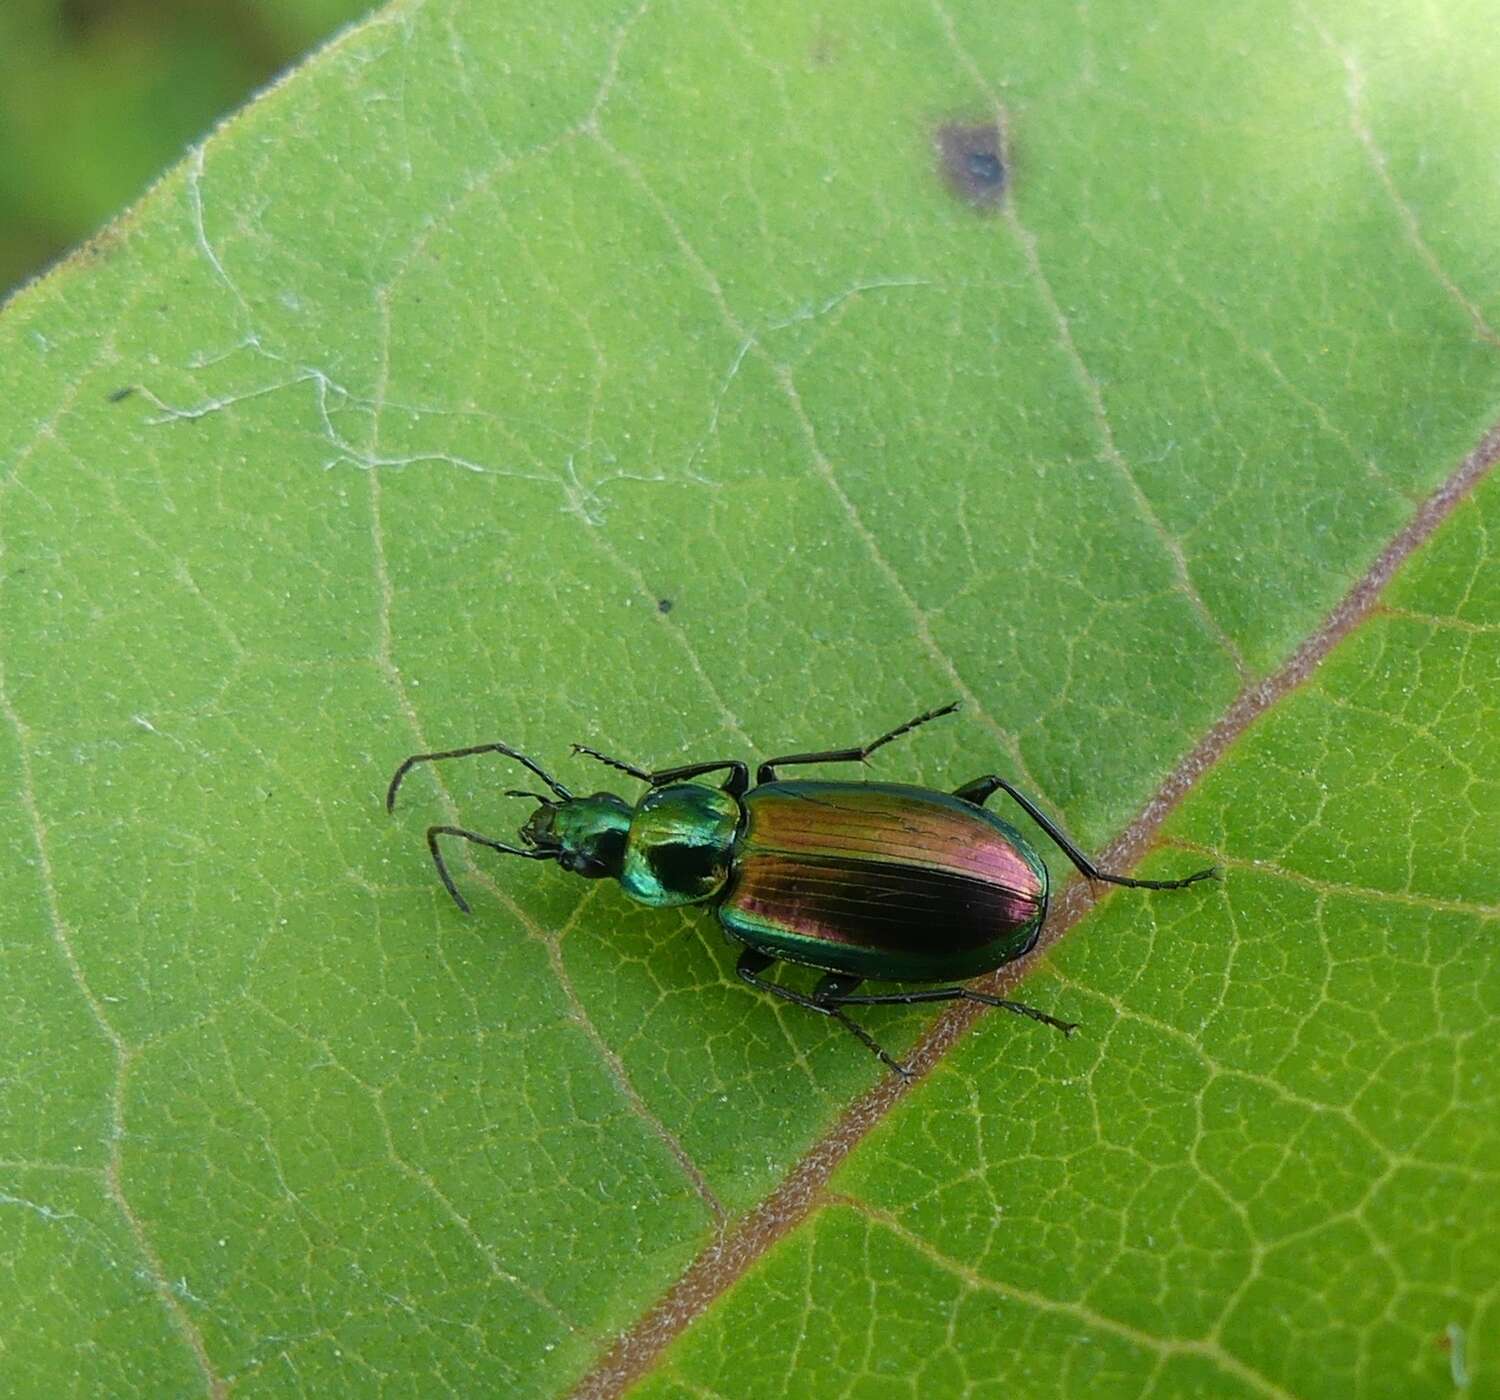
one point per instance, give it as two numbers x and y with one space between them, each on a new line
504 749
521 792
433 832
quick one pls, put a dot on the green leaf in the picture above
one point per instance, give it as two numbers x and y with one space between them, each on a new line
1268 1165
638 377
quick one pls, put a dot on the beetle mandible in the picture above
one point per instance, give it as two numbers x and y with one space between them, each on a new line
861 881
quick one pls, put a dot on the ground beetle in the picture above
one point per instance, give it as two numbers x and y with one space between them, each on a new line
859 880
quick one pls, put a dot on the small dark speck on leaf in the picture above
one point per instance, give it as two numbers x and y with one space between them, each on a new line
971 164
120 394
80 18
827 47
664 605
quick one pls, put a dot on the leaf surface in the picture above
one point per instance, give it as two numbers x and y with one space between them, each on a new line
498 376
1268 1165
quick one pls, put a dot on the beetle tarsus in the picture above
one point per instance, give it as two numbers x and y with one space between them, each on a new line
833 996
736 784
1021 1009
867 1040
1212 873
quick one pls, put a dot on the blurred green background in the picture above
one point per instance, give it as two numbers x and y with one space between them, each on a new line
98 97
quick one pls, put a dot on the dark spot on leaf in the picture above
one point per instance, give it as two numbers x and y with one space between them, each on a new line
664 605
121 394
79 18
970 160
827 47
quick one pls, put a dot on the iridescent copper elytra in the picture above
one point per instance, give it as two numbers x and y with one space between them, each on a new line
862 881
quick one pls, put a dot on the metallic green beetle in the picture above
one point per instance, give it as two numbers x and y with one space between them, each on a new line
858 880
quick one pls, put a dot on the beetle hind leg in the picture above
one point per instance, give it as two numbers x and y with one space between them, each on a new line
752 964
1020 1009
830 994
981 789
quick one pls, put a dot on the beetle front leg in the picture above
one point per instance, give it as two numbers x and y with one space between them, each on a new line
753 963
979 791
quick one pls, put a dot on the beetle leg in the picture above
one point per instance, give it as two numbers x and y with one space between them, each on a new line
926 994
753 963
735 784
835 987
766 773
979 791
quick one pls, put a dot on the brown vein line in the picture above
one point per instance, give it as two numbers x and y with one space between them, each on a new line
726 1259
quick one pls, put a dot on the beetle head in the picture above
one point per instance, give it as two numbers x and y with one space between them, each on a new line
585 835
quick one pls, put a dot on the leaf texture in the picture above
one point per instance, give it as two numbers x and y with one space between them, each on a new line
639 376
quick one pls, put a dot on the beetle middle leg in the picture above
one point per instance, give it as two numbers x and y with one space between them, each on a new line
837 989
753 963
766 773
979 791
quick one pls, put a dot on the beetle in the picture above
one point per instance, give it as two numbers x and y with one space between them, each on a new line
859 880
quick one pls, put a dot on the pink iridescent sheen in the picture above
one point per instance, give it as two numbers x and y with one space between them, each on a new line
900 825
